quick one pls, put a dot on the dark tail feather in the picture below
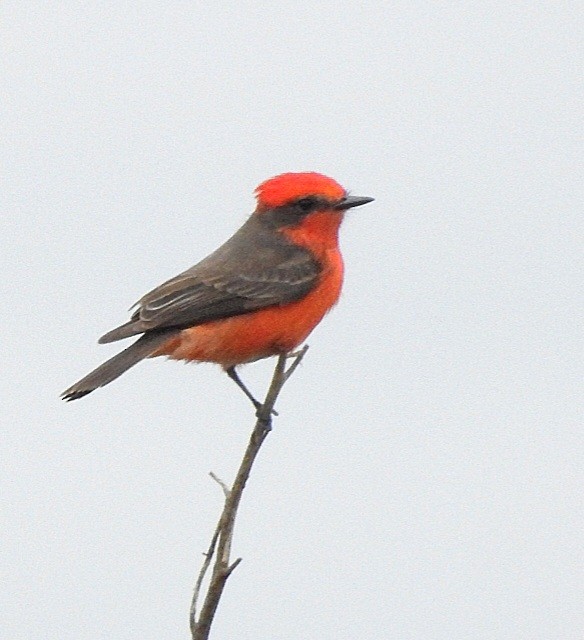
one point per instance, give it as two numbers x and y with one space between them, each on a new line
131 328
114 367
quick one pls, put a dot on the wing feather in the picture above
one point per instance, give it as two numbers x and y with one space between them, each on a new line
199 299
231 281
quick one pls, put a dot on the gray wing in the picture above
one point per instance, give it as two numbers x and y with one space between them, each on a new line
231 281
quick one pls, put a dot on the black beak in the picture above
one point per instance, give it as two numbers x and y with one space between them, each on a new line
352 201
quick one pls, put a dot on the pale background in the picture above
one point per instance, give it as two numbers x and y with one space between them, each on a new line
424 480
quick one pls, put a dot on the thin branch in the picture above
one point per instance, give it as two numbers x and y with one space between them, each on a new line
220 546
202 573
297 355
220 483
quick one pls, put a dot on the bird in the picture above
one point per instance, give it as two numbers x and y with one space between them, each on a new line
260 294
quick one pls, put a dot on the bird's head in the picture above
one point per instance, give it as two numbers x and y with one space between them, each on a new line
290 199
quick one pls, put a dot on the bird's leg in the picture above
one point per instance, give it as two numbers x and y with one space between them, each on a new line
232 373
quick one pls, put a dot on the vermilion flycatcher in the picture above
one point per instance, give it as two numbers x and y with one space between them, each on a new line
258 295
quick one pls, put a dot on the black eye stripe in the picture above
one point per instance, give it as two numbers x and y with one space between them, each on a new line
307 203
294 212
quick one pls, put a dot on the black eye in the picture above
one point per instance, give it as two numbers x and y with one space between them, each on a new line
306 204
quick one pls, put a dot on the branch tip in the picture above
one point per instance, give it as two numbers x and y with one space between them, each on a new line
233 566
220 482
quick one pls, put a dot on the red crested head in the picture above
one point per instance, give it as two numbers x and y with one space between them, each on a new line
287 187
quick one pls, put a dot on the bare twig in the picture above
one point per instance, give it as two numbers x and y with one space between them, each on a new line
220 546
202 573
220 483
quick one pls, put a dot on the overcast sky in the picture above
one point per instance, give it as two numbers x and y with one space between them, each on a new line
424 477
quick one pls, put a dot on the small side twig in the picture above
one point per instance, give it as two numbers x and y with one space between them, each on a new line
220 546
220 483
206 564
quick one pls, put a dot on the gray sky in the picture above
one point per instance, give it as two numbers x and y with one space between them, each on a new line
424 478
